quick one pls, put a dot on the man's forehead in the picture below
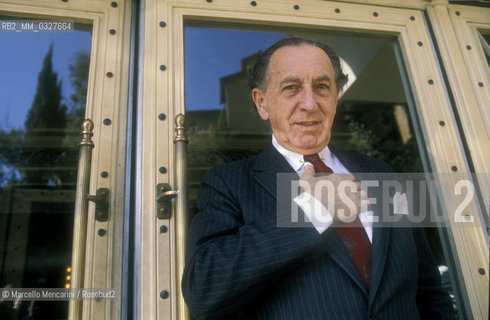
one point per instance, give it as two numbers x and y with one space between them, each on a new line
290 60
300 49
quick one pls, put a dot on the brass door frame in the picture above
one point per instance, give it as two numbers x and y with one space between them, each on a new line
455 29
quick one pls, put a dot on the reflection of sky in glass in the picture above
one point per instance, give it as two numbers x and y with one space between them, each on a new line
204 67
21 59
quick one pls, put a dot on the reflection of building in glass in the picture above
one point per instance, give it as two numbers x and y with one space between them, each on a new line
372 116
241 114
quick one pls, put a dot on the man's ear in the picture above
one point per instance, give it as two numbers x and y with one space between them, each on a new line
260 102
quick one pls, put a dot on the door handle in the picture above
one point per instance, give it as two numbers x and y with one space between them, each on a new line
80 216
164 196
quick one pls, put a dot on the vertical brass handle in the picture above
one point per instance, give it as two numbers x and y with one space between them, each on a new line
181 208
80 216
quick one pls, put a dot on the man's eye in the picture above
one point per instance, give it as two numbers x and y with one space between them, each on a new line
290 87
323 86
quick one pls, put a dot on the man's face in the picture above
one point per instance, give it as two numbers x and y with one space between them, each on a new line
300 99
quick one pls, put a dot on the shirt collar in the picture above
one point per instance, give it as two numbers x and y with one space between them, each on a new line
296 159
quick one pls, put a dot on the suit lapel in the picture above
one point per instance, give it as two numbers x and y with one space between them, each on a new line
269 163
378 259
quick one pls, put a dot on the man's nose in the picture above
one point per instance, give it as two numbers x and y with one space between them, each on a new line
308 102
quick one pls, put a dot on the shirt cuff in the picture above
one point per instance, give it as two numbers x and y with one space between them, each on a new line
316 212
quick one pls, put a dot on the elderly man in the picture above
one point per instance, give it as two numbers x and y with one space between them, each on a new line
242 265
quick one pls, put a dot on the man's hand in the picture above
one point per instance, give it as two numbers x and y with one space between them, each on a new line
341 194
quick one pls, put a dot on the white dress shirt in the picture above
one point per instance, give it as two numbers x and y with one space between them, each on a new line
307 202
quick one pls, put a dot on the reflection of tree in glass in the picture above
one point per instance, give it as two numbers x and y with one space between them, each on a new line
361 138
44 128
79 70
45 154
10 154
403 157
79 80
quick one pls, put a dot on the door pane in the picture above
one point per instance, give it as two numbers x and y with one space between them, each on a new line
375 115
42 104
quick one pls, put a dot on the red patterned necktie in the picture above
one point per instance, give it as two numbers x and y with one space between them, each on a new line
352 234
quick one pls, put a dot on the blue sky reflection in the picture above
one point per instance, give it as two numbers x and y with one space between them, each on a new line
212 53
21 57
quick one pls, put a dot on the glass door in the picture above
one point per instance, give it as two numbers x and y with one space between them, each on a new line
42 110
58 70
375 116
395 108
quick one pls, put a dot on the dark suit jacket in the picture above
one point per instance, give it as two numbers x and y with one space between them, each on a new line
240 265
